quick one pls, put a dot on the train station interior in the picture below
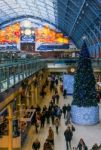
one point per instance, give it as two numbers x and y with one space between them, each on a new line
50 74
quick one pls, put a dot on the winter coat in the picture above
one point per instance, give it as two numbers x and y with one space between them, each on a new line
68 108
51 135
36 145
64 108
80 147
68 135
47 146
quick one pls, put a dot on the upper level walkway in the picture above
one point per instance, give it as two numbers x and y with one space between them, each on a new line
16 70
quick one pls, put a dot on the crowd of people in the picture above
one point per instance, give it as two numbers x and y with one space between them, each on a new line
51 115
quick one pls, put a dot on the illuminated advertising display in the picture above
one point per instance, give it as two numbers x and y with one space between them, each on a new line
49 39
68 83
27 38
43 38
10 34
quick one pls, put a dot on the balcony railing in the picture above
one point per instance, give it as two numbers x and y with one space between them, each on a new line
13 72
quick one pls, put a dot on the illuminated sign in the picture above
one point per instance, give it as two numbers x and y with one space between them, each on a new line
10 34
25 38
47 35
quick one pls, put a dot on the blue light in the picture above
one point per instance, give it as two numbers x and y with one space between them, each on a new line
85 115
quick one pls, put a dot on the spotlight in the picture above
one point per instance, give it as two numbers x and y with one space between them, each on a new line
26 24
28 32
22 32
84 37
72 70
33 32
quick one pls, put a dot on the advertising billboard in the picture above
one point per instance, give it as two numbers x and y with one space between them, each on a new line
48 39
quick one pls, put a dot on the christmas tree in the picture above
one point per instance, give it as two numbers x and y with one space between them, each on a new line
84 85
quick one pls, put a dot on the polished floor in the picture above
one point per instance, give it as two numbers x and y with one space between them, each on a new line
90 134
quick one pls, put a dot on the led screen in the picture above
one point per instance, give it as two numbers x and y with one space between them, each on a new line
49 39
10 34
68 83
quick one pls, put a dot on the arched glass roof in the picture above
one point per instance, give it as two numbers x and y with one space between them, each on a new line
76 18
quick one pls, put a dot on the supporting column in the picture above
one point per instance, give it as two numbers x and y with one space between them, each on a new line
10 127
27 98
19 99
20 109
32 95
36 96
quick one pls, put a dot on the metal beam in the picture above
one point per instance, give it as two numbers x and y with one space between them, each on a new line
88 34
77 17
94 13
24 17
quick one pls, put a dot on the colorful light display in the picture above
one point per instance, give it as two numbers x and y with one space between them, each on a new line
47 35
10 34
14 33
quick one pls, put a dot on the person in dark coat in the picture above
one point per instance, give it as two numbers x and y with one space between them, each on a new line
56 81
64 109
64 93
47 115
44 108
68 137
68 108
68 113
52 115
47 145
42 118
36 145
95 147
38 109
82 145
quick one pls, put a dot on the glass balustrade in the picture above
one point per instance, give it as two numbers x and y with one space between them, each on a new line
12 72
15 70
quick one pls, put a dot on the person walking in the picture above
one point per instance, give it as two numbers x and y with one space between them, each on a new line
57 98
57 123
36 144
58 112
95 147
50 137
52 115
47 145
37 125
68 137
68 108
42 119
53 98
82 145
64 93
68 114
47 116
64 109
71 127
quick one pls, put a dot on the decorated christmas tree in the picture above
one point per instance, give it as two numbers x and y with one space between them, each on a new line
84 84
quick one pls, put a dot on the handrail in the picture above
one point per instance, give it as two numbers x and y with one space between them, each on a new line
14 72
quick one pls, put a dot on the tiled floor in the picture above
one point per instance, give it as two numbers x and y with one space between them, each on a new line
90 134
